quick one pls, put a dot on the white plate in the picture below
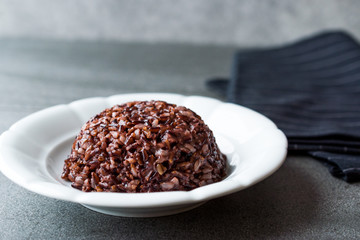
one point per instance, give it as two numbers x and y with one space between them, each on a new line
32 152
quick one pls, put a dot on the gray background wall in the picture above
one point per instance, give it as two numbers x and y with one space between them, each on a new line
235 22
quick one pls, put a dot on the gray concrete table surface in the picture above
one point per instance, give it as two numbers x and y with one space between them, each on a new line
300 201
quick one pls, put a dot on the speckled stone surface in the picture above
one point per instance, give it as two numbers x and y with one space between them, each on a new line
300 201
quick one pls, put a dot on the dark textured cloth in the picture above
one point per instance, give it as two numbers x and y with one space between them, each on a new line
311 90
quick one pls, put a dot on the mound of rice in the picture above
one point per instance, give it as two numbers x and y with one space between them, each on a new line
144 146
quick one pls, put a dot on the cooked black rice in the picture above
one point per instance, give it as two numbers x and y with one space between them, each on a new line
144 146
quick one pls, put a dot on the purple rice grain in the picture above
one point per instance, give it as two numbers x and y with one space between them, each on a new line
144 146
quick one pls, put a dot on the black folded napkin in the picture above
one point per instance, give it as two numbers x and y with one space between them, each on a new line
311 90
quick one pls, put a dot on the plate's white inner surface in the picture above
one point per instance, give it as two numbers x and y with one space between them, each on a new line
55 160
